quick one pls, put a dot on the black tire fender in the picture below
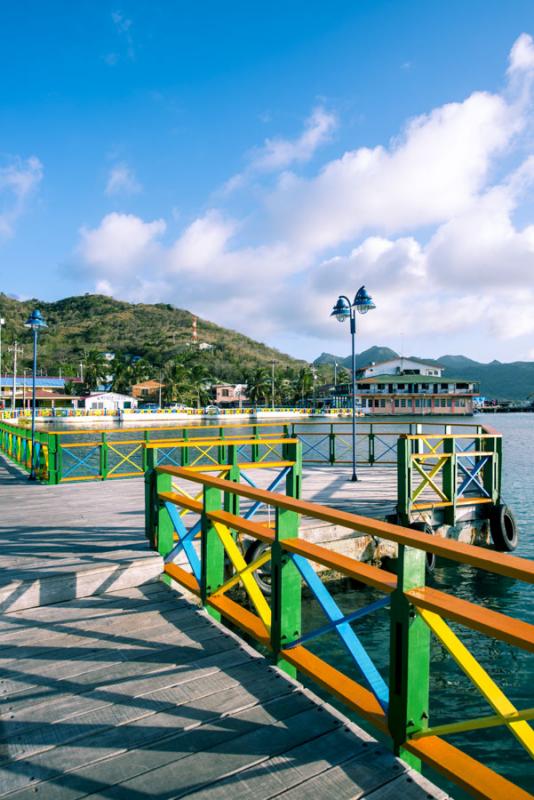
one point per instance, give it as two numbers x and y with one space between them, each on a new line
424 527
503 528
253 552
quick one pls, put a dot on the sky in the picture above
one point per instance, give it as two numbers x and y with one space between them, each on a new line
250 161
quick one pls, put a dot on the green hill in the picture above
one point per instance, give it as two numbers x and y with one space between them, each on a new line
363 359
155 332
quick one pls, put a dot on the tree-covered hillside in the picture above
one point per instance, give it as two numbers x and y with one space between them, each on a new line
157 333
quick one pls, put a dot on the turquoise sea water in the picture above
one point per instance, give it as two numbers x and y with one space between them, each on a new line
453 697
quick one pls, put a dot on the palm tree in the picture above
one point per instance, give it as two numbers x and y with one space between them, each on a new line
199 383
175 382
258 385
96 370
303 384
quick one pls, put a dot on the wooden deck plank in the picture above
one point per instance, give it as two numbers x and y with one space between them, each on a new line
157 716
135 692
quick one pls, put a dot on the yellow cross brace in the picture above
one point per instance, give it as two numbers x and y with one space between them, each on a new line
203 452
244 572
427 476
478 675
475 724
124 458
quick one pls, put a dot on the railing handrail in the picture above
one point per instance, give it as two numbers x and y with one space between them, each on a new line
492 561
441 436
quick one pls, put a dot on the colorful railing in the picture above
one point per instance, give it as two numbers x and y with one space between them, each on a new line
106 453
447 472
204 532
16 444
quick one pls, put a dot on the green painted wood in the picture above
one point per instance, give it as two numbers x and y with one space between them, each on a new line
212 550
231 501
409 674
450 479
104 457
404 480
286 596
151 455
184 451
165 528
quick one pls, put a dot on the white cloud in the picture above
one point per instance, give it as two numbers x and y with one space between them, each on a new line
18 180
122 180
522 54
202 243
428 174
429 223
120 244
279 153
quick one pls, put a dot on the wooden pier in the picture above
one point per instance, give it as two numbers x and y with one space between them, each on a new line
77 539
125 689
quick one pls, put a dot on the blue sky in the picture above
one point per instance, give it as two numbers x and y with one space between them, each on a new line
251 161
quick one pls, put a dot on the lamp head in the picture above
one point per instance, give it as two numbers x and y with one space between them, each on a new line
341 310
35 321
363 302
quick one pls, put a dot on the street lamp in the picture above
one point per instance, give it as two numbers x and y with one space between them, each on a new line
343 310
36 323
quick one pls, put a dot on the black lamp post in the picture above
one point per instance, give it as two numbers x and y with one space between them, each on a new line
343 310
36 323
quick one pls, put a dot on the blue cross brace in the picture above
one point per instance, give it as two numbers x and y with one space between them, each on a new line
80 462
388 447
373 678
308 447
471 477
272 486
168 456
185 540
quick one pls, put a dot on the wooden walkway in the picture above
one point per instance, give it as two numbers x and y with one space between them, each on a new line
136 694
77 539
129 691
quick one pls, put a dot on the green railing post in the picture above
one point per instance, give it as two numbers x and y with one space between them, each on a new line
255 450
332 445
212 561
409 674
371 437
286 591
165 528
231 500
104 457
404 479
53 457
146 440
450 479
221 449
59 457
184 460
150 496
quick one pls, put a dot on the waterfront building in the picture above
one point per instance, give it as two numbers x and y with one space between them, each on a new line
230 394
408 393
108 401
50 391
147 390
401 366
